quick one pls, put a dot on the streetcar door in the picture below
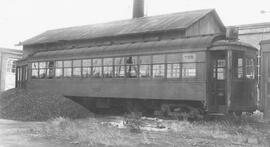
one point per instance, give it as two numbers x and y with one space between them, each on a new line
217 101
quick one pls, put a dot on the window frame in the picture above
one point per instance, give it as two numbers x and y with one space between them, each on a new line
36 69
97 66
252 65
76 67
87 67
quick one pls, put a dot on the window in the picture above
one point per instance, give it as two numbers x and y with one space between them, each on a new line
219 69
132 67
108 67
119 67
97 68
76 68
34 72
67 68
188 70
158 66
50 70
58 69
86 68
145 66
11 66
250 68
173 65
42 70
240 68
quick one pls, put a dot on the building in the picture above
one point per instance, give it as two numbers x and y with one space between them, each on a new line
8 58
265 74
254 33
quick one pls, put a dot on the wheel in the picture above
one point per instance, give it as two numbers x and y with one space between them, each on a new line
238 113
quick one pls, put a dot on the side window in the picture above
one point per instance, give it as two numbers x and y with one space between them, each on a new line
86 68
50 70
250 68
76 68
158 66
58 69
97 68
67 68
188 70
173 65
119 67
189 65
132 67
145 66
108 67
34 70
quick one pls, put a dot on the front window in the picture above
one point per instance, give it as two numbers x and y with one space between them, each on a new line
240 68
219 70
250 68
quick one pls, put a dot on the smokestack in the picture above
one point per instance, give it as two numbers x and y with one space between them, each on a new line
138 8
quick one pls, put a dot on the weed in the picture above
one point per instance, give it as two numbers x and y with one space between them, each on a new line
134 122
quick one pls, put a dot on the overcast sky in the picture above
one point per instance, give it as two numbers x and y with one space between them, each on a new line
23 19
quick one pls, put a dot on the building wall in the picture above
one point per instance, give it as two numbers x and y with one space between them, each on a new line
254 39
265 81
7 75
254 33
205 26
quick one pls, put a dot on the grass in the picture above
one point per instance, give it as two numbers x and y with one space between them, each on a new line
98 132
61 116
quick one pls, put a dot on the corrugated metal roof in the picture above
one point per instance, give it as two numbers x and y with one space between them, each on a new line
130 48
173 21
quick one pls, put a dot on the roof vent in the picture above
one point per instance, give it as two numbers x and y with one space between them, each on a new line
138 8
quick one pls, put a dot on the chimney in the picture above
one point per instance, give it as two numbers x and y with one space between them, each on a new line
138 8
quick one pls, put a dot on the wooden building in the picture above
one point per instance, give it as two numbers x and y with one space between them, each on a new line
8 58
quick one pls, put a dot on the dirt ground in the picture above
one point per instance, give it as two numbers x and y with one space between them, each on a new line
22 134
17 134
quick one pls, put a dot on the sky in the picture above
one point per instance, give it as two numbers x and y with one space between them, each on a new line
23 19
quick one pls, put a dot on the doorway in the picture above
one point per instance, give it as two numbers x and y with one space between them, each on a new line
217 102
